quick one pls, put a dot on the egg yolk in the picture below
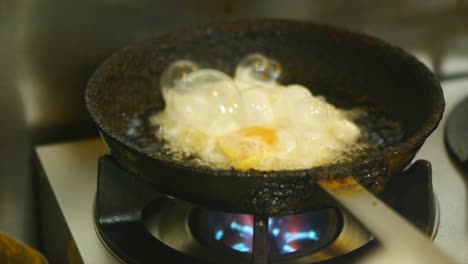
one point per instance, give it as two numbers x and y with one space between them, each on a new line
249 146
267 135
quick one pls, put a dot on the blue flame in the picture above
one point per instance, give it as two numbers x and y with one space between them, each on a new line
288 249
287 234
242 228
291 237
275 232
219 234
241 247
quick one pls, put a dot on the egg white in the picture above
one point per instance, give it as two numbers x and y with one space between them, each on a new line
246 124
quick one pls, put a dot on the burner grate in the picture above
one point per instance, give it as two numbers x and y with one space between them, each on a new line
139 225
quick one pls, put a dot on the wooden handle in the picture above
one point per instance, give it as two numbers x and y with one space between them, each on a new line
401 241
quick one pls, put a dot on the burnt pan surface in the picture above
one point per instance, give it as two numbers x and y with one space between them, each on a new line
348 69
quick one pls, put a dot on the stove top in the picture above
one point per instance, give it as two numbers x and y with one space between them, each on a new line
140 225
68 186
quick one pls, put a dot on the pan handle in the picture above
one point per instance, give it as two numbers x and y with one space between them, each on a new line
401 241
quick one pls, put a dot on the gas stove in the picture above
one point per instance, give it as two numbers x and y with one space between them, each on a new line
85 223
138 224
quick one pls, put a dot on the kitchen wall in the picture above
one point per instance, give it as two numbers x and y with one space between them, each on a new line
49 49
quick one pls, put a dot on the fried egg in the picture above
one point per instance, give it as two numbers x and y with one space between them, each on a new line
251 121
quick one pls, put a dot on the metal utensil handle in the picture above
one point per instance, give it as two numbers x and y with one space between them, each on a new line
260 240
400 240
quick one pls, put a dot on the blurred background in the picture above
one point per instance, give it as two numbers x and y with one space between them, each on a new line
49 49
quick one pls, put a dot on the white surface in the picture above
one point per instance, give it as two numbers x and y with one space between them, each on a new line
449 184
72 171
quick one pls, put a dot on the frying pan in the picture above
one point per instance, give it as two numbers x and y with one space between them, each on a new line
348 69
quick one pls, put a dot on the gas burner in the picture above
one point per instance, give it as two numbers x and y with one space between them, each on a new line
292 235
139 225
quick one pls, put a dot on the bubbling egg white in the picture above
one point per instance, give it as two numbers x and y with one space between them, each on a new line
250 121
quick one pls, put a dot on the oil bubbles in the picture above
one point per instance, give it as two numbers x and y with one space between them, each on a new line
211 101
259 68
205 99
174 73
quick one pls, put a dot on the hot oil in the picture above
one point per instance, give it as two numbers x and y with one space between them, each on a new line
250 120
148 138
378 132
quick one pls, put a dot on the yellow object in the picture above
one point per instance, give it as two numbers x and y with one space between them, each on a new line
249 146
267 135
14 252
